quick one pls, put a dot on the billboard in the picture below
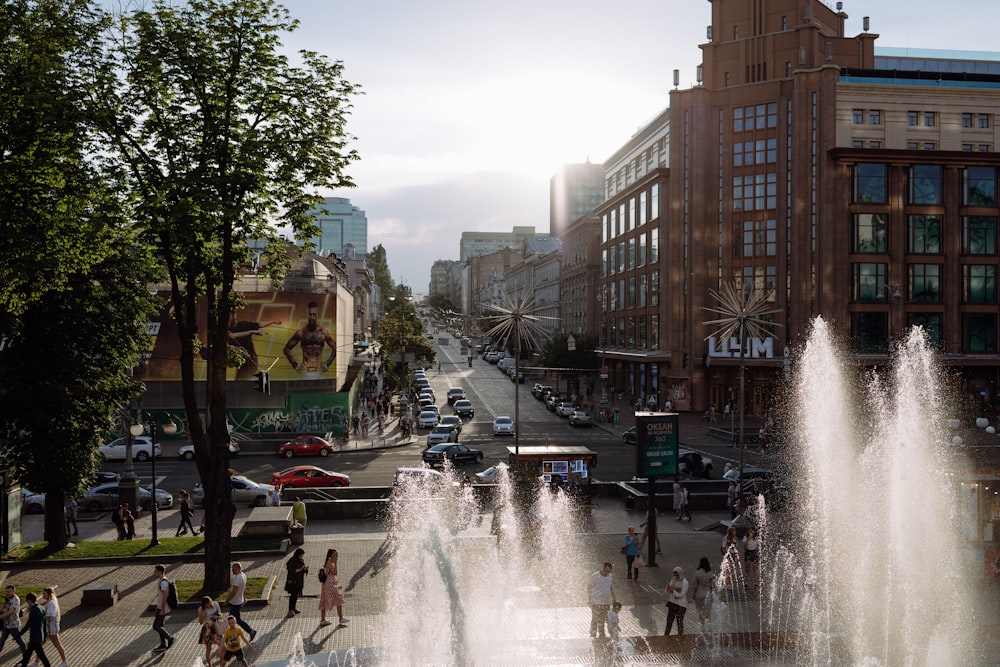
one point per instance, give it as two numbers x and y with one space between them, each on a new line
291 335
656 440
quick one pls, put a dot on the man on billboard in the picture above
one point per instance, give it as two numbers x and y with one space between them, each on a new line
312 337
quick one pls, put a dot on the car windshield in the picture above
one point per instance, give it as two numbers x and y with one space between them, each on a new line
503 420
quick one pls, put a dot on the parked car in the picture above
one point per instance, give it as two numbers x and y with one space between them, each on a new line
105 497
305 445
454 421
31 502
103 477
455 394
464 409
564 409
455 453
427 419
693 464
628 437
142 449
441 434
186 452
536 389
245 491
503 425
580 418
489 476
553 400
303 477
427 393
493 357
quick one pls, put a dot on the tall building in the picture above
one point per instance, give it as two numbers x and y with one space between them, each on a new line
574 192
343 229
474 244
850 182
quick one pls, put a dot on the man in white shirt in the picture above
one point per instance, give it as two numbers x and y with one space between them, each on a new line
601 593
11 618
162 609
236 599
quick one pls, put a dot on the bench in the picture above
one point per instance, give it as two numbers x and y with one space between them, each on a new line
100 595
269 522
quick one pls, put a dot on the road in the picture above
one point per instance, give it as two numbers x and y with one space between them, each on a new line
492 394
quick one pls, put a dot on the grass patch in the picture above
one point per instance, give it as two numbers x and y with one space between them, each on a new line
131 548
193 590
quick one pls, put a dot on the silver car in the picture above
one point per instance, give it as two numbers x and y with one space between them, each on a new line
106 497
245 492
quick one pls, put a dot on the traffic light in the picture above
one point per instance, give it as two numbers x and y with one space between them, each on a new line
262 382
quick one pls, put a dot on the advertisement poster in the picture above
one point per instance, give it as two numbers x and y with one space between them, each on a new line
679 392
293 336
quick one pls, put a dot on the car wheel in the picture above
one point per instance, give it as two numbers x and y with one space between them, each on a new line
141 456
336 485
189 456
289 453
479 457
324 452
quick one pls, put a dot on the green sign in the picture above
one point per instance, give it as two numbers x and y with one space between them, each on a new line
656 444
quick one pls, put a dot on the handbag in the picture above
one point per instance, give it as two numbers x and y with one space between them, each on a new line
624 549
322 575
638 561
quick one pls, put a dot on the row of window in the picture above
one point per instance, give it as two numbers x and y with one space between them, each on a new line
924 184
923 283
924 234
922 145
758 116
636 292
632 332
755 192
762 151
915 118
643 208
871 332
632 253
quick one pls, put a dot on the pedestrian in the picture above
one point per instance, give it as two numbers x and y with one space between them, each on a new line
72 509
236 598
35 627
631 551
649 528
232 640
702 594
118 518
331 595
730 555
11 617
299 511
677 590
53 617
751 554
296 570
685 512
212 628
731 494
129 520
678 492
273 498
614 627
186 515
601 594
162 608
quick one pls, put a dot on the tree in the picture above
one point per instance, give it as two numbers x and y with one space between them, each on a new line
399 329
224 141
379 264
439 302
68 253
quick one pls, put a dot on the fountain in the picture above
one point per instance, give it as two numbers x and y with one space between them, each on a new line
867 571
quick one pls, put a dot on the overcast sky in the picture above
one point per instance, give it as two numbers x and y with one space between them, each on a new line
470 107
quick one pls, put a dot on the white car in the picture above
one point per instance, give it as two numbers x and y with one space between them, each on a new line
245 492
454 421
186 452
442 433
503 425
427 419
489 476
142 449
565 409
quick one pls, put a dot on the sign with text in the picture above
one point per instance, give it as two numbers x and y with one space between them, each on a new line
656 438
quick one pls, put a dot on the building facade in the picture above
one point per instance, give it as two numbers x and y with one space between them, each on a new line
574 192
343 229
485 243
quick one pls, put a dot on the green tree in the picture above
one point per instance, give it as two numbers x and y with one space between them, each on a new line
379 264
224 140
68 254
399 329
440 303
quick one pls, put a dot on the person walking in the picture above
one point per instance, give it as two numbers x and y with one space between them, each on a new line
678 492
299 511
11 617
631 551
119 520
331 596
702 594
295 579
730 556
236 598
72 510
232 640
601 594
53 617
677 591
186 515
162 608
751 554
212 628
685 512
129 520
35 627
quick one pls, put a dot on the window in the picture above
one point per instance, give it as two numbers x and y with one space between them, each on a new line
654 204
979 185
930 118
643 213
875 116
929 146
654 331
857 143
924 234
984 148
979 235
738 119
967 148
642 332
755 192
613 259
642 291
606 229
912 145
727 79
979 283
925 283
870 183
630 302
784 23
966 120
868 280
654 245
654 288
621 257
788 70
869 232
736 32
631 254
984 120
631 213
912 118
925 184
615 231
641 259
870 331
604 262
931 324
874 144
858 116
979 332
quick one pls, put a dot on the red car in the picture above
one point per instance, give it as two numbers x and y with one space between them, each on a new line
301 477
305 445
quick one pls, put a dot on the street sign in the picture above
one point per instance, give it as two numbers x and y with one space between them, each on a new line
656 436
604 372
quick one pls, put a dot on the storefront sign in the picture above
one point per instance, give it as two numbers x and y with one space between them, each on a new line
656 444
729 348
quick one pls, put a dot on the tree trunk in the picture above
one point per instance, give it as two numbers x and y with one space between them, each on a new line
55 519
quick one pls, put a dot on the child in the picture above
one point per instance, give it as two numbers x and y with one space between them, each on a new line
231 640
613 628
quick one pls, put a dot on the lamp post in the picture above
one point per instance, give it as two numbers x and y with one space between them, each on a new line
137 429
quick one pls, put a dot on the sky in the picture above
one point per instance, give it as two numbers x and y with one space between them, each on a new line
469 108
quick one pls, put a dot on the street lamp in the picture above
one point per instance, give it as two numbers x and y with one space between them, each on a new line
168 429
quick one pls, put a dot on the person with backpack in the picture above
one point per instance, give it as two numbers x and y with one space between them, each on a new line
162 603
117 517
35 627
